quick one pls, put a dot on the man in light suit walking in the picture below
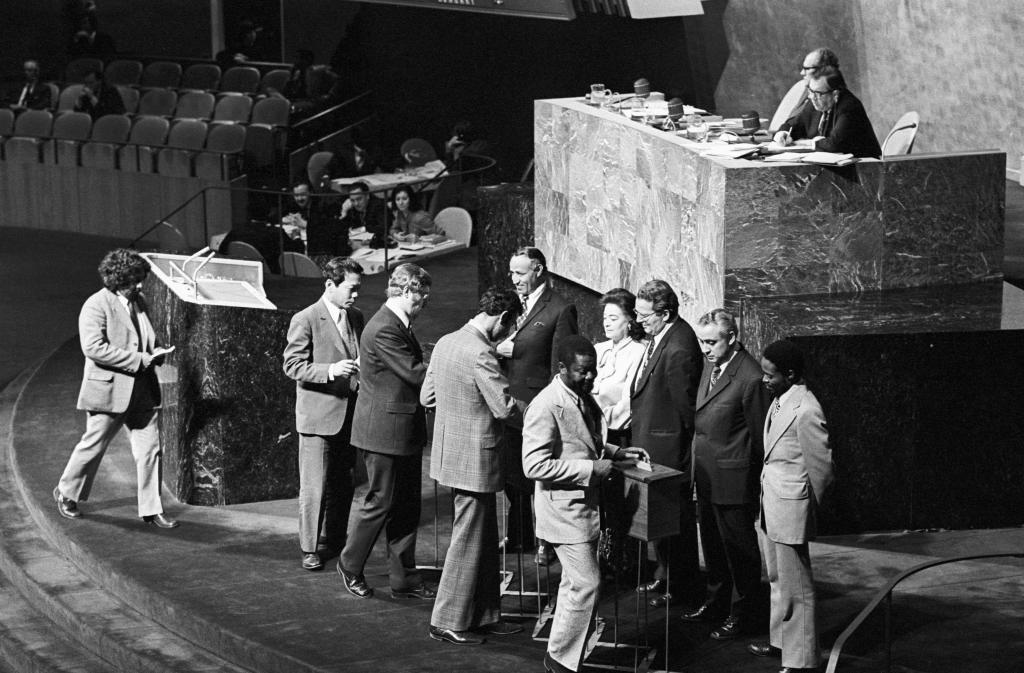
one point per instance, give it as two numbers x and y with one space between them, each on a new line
797 471
322 356
565 453
465 384
390 430
119 387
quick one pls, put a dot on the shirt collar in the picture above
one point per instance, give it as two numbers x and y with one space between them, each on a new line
333 310
533 297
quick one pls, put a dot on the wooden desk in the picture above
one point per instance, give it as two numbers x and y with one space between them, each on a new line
372 259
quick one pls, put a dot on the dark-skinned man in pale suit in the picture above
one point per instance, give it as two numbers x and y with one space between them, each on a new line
322 356
465 385
797 471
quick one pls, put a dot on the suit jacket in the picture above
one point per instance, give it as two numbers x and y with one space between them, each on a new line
848 130
728 444
535 346
471 394
39 96
113 361
664 396
314 343
559 453
108 102
389 418
797 468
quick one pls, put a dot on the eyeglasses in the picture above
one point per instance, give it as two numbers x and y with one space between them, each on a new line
642 317
812 92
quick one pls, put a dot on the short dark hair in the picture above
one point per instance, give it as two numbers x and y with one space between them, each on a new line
826 58
122 268
497 300
719 316
574 345
335 269
833 80
533 253
300 183
787 357
360 185
626 301
407 277
661 295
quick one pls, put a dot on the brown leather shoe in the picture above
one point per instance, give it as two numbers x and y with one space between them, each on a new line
67 507
160 520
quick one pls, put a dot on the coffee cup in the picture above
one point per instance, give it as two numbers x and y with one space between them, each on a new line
597 93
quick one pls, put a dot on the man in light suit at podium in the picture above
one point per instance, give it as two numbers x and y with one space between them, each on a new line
797 471
565 454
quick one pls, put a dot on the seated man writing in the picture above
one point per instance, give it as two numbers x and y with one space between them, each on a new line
835 120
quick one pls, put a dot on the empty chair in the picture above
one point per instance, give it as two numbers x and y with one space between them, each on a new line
221 159
30 128
901 138
240 79
108 134
316 170
171 240
187 137
266 137
69 97
77 70
148 134
163 74
785 109
123 72
274 80
271 112
158 103
130 96
6 121
456 224
201 77
194 105
299 265
243 250
417 151
233 109
69 131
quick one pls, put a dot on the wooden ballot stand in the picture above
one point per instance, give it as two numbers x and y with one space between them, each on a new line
645 504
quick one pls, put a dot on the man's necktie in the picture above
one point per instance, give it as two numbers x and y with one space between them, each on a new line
648 353
823 122
135 323
775 410
521 320
24 95
716 372
347 337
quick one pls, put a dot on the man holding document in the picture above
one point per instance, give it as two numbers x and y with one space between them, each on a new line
835 120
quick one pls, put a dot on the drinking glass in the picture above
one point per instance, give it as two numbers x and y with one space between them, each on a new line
597 94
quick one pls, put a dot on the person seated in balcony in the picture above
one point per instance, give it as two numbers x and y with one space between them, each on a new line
34 94
410 220
363 212
243 48
89 41
98 98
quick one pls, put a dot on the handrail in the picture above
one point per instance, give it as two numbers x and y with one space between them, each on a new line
298 126
886 594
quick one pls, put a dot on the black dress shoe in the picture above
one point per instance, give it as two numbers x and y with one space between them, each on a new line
654 586
454 637
707 612
764 650
67 507
311 561
420 591
732 628
160 520
660 601
501 628
355 584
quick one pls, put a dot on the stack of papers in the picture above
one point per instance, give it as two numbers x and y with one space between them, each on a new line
821 158
730 150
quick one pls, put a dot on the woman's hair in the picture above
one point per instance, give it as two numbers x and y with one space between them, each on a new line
626 301
414 197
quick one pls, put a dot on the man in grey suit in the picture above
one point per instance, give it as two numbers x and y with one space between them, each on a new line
322 356
797 471
727 457
119 387
565 454
390 430
465 384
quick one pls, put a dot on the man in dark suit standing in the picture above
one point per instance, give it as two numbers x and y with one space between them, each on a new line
662 403
835 119
546 319
465 384
390 430
322 356
727 455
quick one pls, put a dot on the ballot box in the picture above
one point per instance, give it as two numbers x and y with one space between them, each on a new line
650 501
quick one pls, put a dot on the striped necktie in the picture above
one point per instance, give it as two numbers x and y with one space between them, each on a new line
716 372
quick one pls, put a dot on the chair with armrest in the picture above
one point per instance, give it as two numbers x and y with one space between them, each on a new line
186 138
240 79
161 75
796 93
901 138
456 223
274 80
417 151
195 105
233 110
148 134
221 159
70 130
108 135
158 103
300 266
316 170
31 128
76 71
201 77
123 72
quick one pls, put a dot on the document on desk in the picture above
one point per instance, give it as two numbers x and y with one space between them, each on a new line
730 150
829 158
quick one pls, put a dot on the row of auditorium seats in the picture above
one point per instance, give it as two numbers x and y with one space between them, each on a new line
170 75
186 148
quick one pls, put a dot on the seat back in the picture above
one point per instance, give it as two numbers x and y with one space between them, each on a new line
72 126
162 74
54 94
456 223
271 111
223 160
187 134
130 97
111 129
446 194
123 72
171 240
229 138
233 109
194 105
243 250
201 76
103 148
33 124
785 108
77 70
316 169
149 131
6 121
274 80
158 103
417 151
69 96
299 265
901 138
240 79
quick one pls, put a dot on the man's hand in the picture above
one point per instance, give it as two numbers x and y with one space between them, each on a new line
345 368
345 207
783 138
505 348
602 468
631 454
147 361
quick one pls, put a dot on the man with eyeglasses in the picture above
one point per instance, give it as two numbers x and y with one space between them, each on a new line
662 403
817 63
835 120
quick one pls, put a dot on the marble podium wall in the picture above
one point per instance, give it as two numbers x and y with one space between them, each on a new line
618 203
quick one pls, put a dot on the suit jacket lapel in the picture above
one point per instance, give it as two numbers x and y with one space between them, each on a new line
704 395
574 417
655 356
330 328
783 419
538 306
